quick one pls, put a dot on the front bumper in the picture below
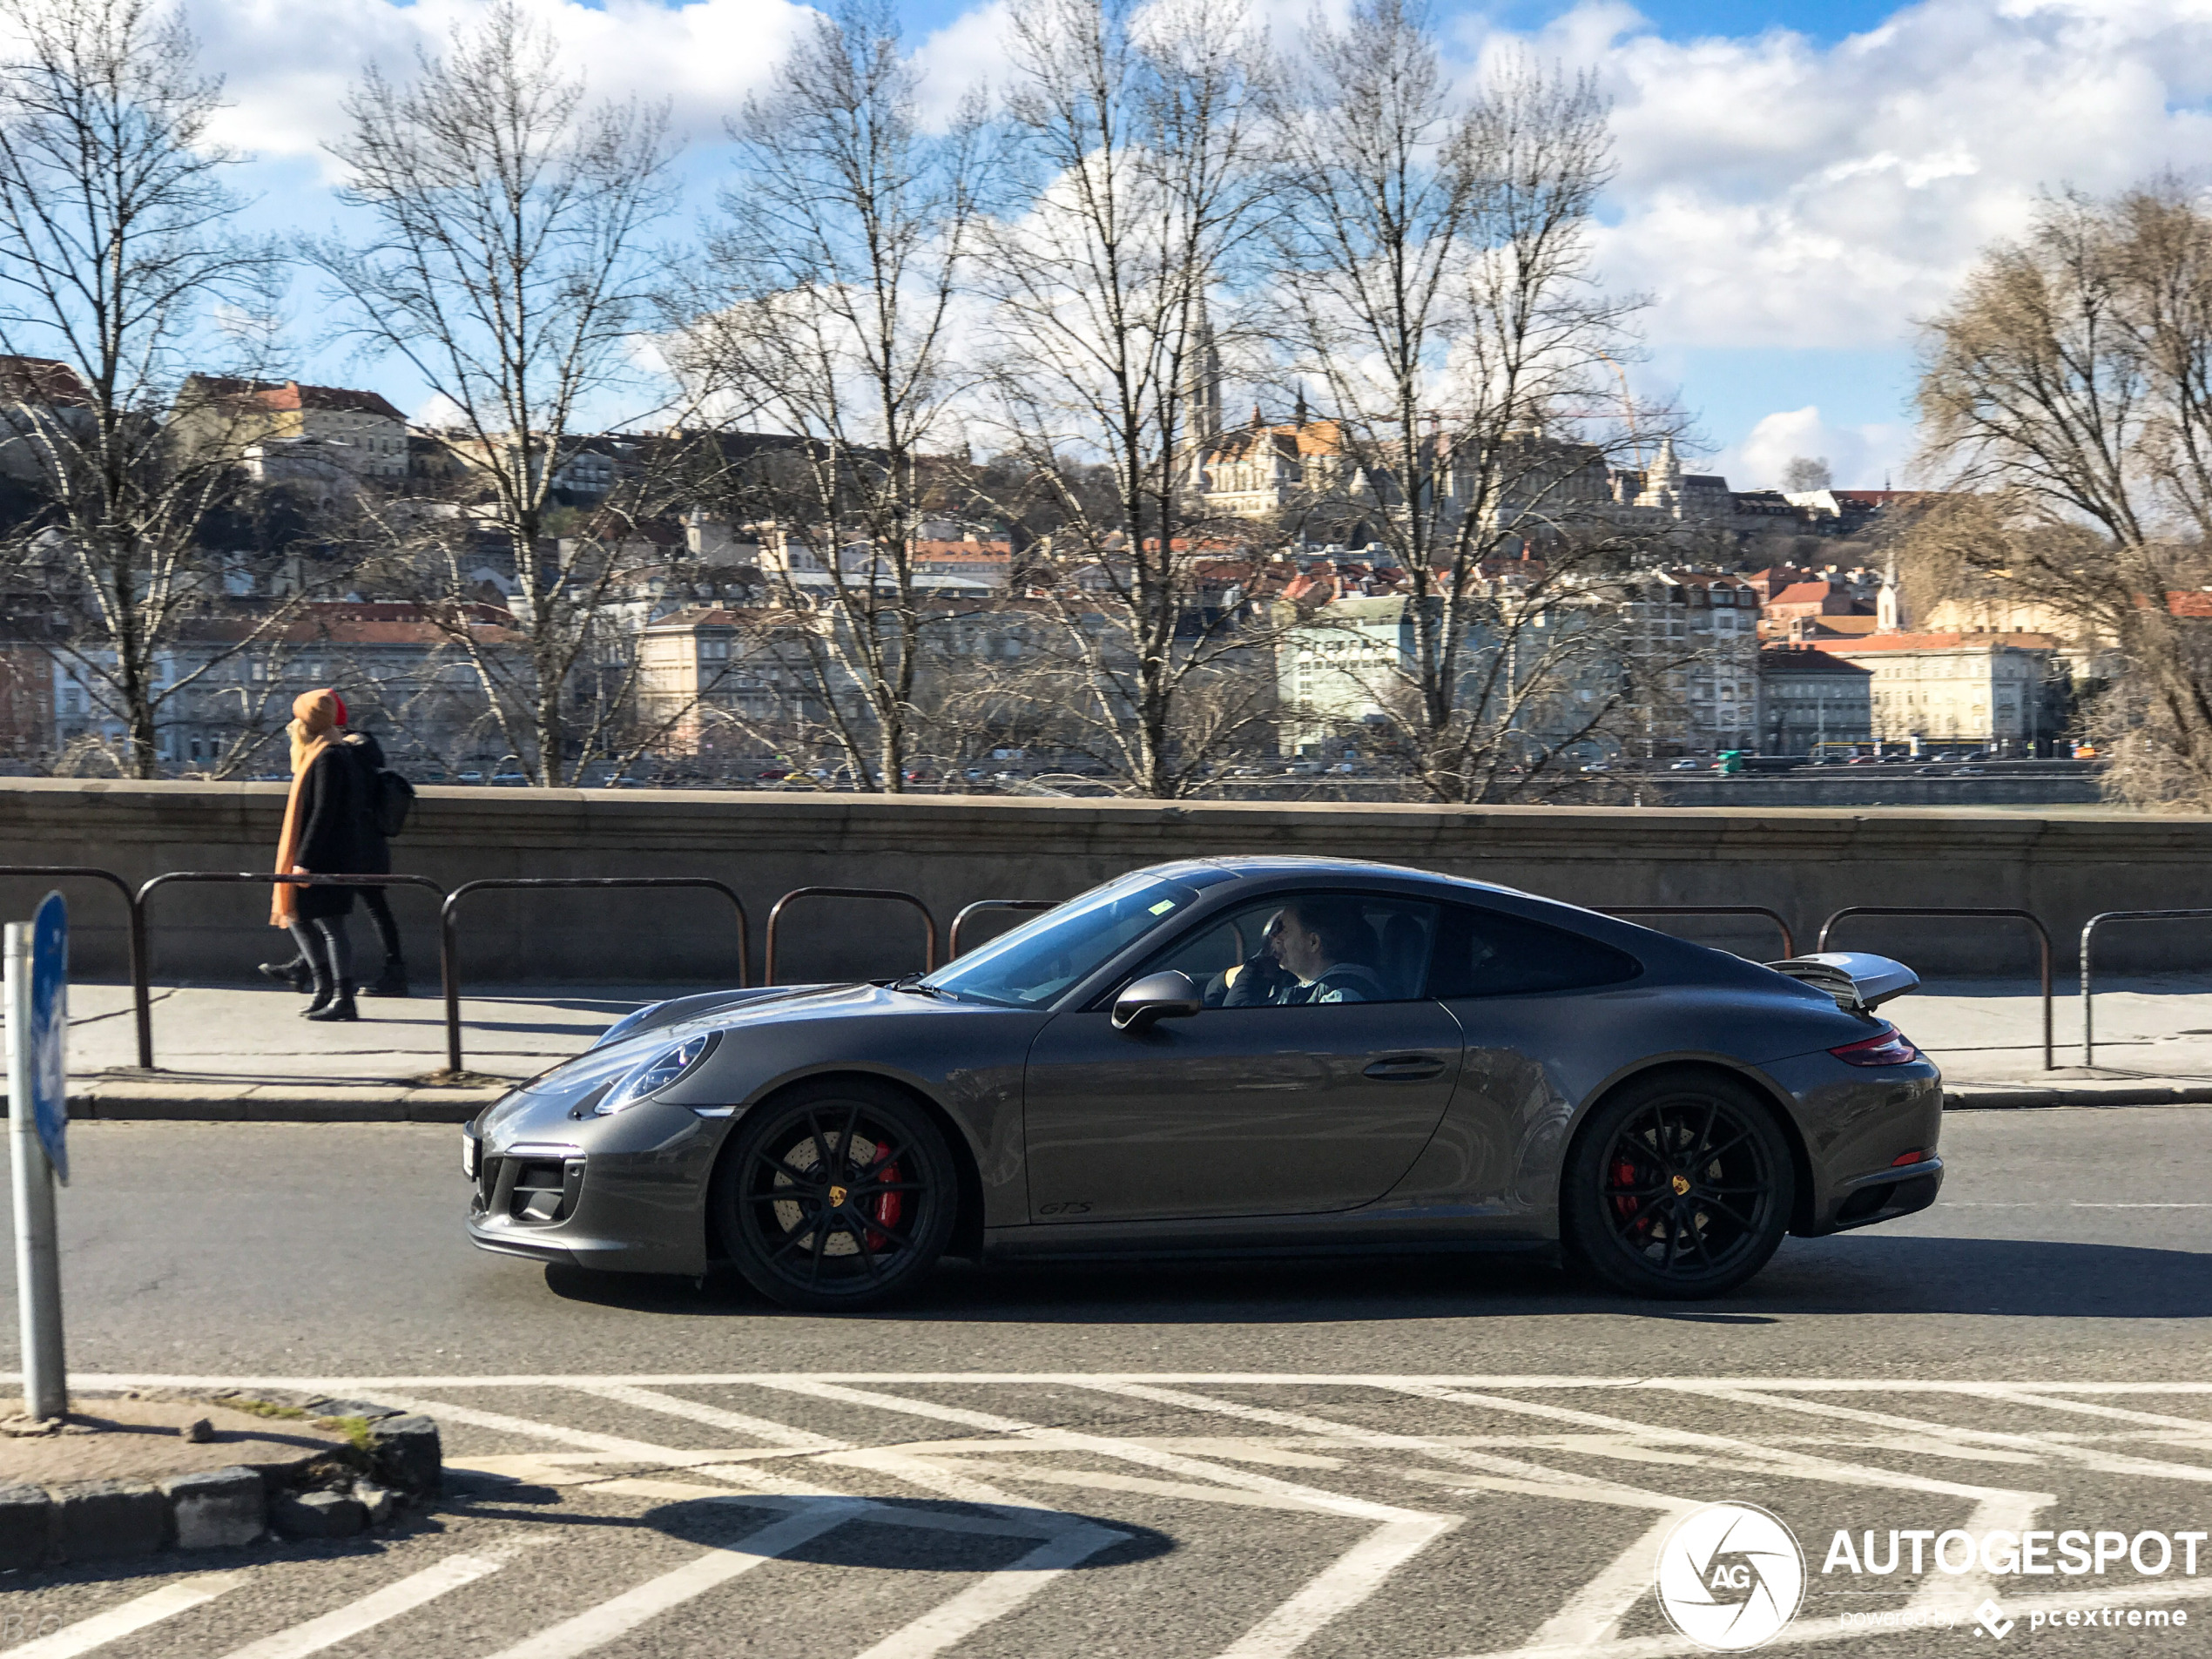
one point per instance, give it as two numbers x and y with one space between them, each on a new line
625 1193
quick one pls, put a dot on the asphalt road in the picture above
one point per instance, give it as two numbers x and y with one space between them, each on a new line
1423 1459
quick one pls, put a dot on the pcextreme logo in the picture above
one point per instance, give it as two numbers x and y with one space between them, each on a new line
1730 1575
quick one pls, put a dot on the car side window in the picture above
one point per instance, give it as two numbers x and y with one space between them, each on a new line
1298 949
1487 953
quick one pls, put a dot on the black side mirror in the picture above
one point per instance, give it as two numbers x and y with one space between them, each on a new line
1157 996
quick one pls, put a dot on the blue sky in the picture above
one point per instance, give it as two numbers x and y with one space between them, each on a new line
1796 185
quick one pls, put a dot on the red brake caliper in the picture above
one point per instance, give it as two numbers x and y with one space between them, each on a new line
1625 1203
886 1207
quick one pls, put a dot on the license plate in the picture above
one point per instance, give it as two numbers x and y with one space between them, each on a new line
471 1147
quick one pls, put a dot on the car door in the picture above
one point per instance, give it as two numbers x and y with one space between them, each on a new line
1281 1109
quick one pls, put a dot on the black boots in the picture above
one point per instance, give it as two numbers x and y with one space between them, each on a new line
340 1007
391 983
295 973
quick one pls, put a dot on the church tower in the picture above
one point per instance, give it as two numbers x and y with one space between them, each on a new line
1889 604
1202 378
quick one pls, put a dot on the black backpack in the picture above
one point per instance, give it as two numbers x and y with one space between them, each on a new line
390 799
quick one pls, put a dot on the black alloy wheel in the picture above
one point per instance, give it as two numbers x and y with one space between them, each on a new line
839 1194
1678 1186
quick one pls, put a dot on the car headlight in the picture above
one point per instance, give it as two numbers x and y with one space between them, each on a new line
625 1025
656 1073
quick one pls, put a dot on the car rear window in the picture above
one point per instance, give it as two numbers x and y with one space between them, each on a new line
1487 953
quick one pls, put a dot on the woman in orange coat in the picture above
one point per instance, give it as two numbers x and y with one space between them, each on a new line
322 820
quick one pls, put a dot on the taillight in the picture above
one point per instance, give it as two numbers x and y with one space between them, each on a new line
1903 1158
1889 1049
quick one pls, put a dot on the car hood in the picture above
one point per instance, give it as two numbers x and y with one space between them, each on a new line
567 1084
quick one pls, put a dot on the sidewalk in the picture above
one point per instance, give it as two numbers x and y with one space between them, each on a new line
229 1052
233 1052
2154 1041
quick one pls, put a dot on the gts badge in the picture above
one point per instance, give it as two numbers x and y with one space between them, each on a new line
1063 1210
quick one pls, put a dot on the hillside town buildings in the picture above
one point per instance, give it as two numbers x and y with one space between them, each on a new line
1720 620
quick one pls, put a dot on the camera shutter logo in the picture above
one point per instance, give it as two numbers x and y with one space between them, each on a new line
1730 1575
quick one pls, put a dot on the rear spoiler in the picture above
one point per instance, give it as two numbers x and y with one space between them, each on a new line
1858 982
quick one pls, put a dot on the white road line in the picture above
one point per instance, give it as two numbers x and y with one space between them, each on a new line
1339 1587
994 1597
1594 1613
760 1429
2055 1451
342 1385
2116 1414
1563 1482
596 1626
133 1616
961 1488
668 1457
1105 1446
378 1606
1780 1459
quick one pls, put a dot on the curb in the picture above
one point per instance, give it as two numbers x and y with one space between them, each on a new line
133 1102
333 1497
1990 1097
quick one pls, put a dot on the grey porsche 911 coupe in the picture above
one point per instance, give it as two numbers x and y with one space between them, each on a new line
1222 1057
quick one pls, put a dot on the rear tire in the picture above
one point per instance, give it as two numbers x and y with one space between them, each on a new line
1677 1186
837 1194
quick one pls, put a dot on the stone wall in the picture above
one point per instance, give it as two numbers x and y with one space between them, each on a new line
950 850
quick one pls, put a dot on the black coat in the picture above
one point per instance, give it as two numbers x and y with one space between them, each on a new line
332 805
375 853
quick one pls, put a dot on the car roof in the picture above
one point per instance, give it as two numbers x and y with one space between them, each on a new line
1272 865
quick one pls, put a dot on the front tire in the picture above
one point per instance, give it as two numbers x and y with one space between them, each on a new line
835 1195
1677 1187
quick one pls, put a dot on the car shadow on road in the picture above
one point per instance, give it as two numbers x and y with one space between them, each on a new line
1867 1273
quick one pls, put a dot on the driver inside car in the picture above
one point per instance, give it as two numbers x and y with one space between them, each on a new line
1310 953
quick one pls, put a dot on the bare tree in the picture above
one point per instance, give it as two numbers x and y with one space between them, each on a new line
846 235
117 260
1436 253
509 267
1803 473
2069 387
1139 128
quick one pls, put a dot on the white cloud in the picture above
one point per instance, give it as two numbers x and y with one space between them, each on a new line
1773 191
1858 457
287 65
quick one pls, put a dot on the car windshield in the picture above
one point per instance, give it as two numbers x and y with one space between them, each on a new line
1027 967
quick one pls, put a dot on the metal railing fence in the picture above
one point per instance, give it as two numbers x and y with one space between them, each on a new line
137 902
134 923
2088 934
890 894
2042 941
141 983
449 942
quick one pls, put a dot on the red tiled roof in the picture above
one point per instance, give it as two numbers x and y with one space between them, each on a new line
1936 642
284 396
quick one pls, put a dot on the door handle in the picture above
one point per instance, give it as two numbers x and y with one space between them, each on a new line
1405 1067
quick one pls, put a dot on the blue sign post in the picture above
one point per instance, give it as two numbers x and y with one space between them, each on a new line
37 1005
49 1031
